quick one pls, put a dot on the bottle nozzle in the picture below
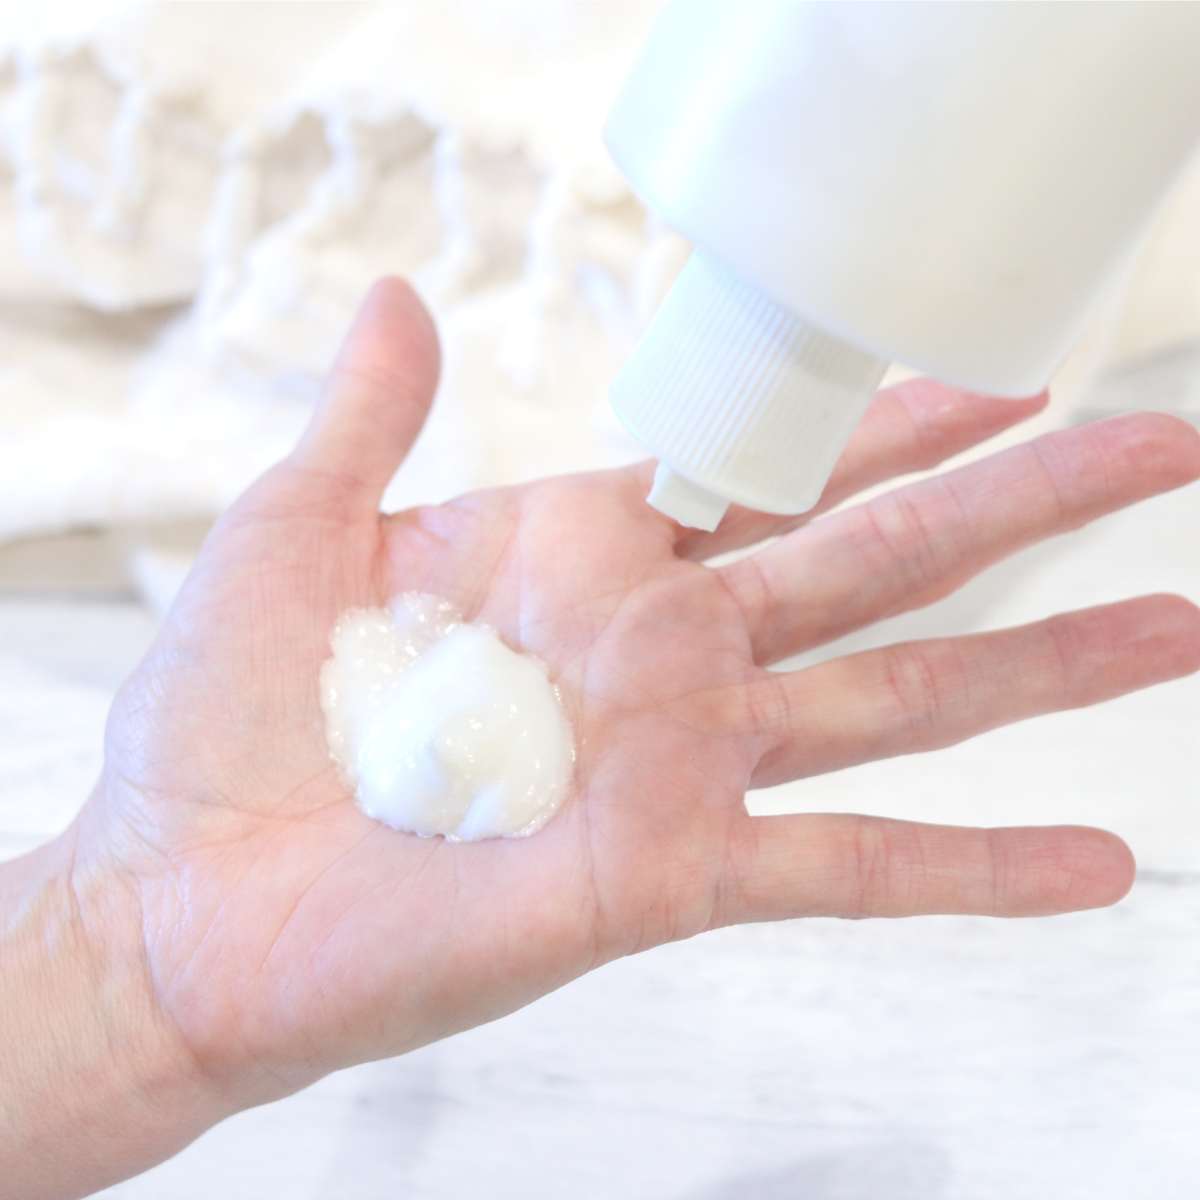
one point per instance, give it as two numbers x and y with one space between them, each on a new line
684 501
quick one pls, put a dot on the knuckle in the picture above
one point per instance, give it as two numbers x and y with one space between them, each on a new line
888 866
1046 458
1066 649
928 687
745 581
912 533
997 871
731 893
770 708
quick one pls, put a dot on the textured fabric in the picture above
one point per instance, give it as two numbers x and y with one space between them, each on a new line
193 207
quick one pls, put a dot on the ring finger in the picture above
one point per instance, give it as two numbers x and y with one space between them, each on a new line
925 695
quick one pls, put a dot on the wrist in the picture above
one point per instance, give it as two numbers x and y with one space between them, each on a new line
95 1085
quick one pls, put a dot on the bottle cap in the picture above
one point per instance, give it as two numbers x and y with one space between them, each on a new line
739 399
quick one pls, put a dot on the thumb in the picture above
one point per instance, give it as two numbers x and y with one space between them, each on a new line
376 398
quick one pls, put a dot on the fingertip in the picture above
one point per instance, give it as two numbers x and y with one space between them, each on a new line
1177 621
378 394
995 414
947 420
1162 447
1124 871
400 297
393 319
1080 868
1001 410
1176 430
1105 866
932 393
1007 410
1025 405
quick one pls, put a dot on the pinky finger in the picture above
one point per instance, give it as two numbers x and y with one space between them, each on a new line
839 865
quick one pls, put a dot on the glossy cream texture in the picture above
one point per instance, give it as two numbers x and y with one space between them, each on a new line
440 727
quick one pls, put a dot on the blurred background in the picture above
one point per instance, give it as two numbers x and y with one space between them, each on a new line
192 199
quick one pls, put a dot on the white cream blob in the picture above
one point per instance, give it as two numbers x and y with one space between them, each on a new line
440 727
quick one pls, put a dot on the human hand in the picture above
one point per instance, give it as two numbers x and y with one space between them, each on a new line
282 934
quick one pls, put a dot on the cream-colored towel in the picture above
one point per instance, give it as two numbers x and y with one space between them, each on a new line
116 121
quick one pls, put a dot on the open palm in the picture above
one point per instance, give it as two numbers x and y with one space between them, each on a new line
286 934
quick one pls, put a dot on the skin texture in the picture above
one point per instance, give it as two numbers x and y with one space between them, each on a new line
267 932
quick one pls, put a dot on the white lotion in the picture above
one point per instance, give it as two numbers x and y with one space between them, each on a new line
442 728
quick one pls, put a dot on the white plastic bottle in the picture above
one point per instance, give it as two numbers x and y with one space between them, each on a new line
949 186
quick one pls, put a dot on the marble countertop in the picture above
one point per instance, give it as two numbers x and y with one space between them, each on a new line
952 1058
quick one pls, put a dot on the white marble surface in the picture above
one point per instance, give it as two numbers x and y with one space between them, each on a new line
945 1059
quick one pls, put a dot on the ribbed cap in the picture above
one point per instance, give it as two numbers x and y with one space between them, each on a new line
739 399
